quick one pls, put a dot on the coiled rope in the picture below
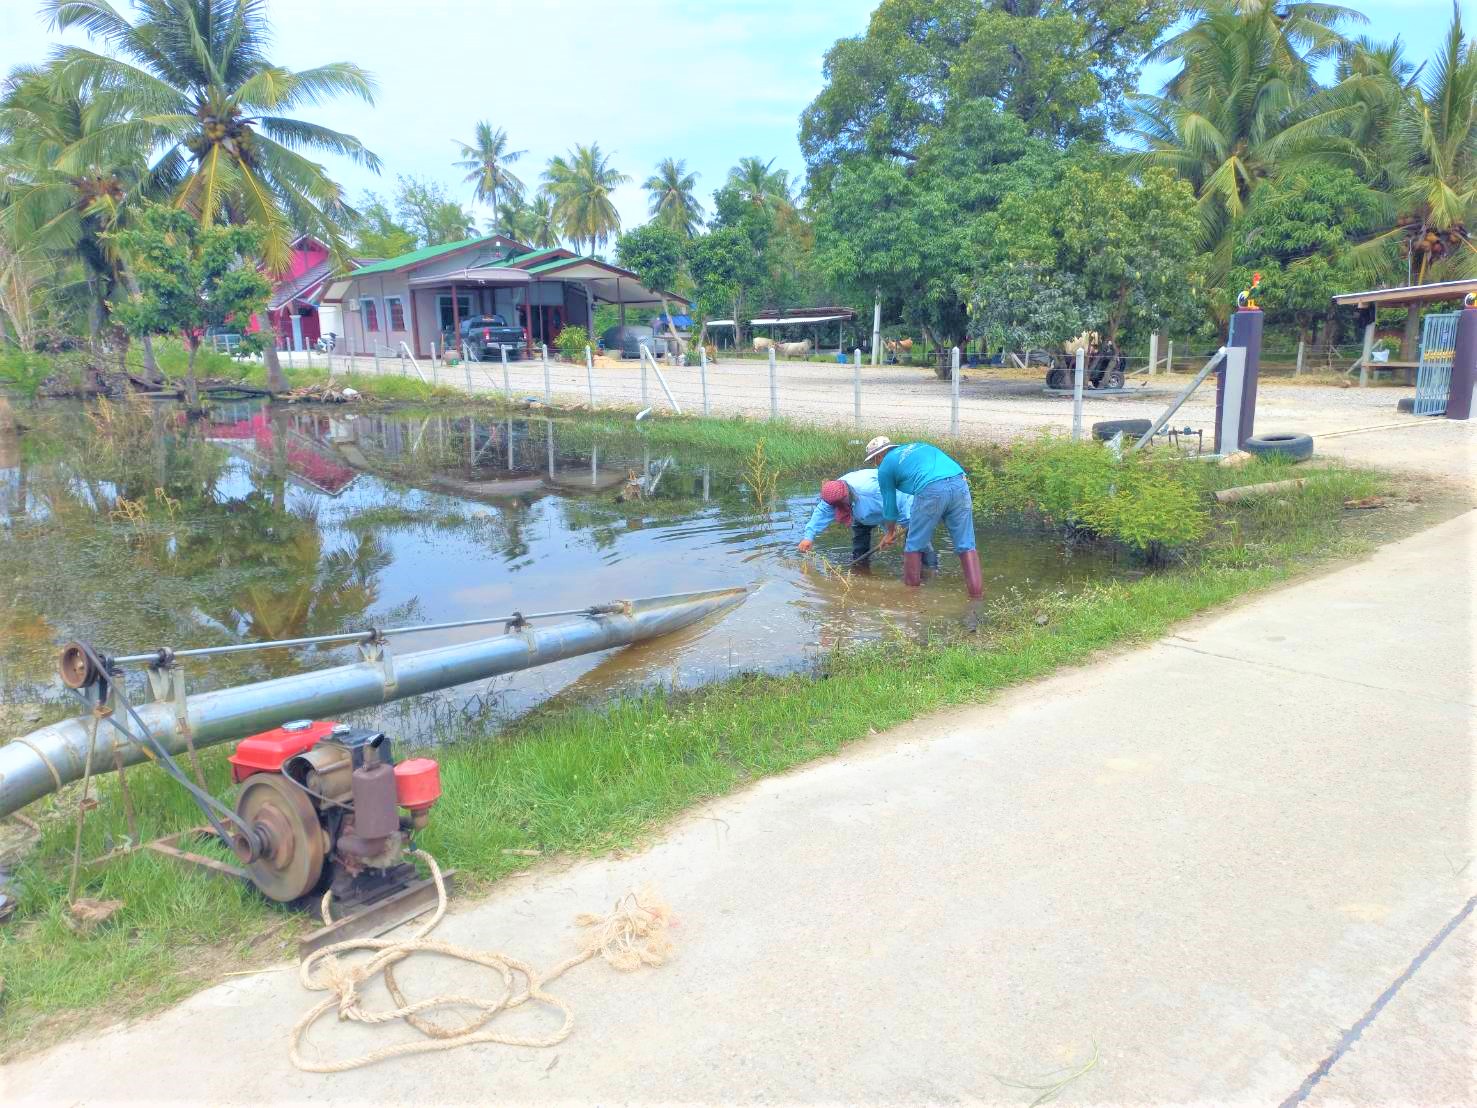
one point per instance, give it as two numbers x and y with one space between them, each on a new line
633 935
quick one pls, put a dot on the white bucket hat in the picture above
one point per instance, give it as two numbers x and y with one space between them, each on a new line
877 446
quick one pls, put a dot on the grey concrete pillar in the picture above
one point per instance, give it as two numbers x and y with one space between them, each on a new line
1463 366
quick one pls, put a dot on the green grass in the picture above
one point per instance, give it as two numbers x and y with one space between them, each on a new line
570 779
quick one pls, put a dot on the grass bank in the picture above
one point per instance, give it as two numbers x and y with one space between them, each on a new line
575 779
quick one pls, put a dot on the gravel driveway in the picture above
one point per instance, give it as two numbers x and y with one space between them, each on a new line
1363 423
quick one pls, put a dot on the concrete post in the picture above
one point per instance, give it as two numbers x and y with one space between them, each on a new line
590 375
702 361
1368 353
376 351
1153 354
856 385
507 384
954 393
1246 332
877 330
774 389
543 353
1463 366
1298 370
1230 383
643 356
1079 376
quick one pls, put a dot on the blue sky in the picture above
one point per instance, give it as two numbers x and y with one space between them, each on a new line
706 80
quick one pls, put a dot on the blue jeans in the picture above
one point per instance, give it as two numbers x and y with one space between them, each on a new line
947 502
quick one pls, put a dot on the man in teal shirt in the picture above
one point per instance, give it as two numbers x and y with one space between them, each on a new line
940 495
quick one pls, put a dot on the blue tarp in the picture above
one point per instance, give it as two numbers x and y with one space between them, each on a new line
681 322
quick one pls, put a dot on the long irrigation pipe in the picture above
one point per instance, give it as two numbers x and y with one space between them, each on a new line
516 619
31 766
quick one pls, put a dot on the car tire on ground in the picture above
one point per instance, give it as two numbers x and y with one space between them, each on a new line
1289 444
1113 379
1131 428
1405 404
1057 379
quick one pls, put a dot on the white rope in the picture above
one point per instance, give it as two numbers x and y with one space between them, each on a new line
633 935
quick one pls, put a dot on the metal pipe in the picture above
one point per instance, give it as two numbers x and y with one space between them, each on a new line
360 636
39 763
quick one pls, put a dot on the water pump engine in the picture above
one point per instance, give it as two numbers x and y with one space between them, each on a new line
332 809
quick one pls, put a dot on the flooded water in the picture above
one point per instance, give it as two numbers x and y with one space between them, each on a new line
135 528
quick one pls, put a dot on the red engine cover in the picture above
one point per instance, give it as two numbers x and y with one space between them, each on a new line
266 752
417 783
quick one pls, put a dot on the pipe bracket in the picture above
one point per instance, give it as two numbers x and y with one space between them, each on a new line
377 651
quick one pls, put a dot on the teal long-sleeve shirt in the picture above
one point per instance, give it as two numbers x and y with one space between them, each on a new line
909 468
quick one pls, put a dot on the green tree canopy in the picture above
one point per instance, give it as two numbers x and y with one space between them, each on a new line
1061 66
654 254
1128 243
1300 233
191 277
431 216
908 230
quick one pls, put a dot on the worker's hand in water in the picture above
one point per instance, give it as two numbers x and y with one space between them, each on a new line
805 546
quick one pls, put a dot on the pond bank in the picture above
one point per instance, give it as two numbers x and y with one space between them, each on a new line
574 778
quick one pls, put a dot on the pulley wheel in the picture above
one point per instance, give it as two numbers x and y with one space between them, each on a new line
291 864
75 668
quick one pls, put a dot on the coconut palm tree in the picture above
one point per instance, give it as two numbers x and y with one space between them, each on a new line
198 87
760 184
486 159
580 186
543 226
672 201
1245 106
1432 158
68 214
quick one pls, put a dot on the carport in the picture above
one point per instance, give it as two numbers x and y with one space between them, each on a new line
1446 366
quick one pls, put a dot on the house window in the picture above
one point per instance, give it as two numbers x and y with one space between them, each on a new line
395 312
371 314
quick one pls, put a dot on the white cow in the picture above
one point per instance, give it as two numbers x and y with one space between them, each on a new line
763 343
795 349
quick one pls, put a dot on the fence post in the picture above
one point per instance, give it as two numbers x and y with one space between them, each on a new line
702 355
1077 380
774 389
375 350
1169 358
642 357
1368 353
1153 353
543 353
590 375
877 330
856 385
310 357
1298 372
954 393
507 385
466 366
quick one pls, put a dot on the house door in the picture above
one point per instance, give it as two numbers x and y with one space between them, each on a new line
443 309
297 332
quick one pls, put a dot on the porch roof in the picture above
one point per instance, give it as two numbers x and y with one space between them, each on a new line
1410 294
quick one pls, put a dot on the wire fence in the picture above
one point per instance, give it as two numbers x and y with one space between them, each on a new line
988 403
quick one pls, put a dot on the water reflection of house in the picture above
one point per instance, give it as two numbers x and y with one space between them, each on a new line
422 297
253 433
476 458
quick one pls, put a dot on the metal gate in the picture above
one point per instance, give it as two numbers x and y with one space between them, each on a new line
1433 380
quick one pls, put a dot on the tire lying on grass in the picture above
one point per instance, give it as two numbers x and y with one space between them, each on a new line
1289 444
1131 428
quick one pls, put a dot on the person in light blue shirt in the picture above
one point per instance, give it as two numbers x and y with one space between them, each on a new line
854 500
940 494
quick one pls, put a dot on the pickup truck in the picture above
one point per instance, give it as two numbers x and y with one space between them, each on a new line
487 335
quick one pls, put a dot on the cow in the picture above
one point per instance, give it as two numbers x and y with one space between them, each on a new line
794 349
762 344
898 349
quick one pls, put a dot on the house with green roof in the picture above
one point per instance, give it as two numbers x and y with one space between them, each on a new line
421 298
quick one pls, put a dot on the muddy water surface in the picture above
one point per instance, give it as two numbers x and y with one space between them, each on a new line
136 528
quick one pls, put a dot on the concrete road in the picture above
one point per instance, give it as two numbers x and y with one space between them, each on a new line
1237 865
